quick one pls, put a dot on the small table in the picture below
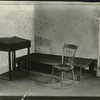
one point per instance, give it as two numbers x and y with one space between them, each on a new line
11 44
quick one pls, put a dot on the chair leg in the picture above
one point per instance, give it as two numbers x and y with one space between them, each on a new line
51 74
73 76
62 76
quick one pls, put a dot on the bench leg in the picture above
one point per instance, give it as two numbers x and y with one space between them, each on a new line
80 74
91 68
51 75
19 65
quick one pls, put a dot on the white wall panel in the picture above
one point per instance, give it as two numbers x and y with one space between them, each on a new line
56 24
16 20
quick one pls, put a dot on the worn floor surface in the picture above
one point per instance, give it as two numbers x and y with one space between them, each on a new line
38 84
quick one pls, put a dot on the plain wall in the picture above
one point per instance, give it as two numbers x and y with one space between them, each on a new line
57 24
49 26
16 20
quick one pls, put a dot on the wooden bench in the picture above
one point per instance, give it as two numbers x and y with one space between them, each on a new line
48 59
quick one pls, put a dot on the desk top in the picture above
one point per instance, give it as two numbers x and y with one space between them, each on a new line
12 40
13 43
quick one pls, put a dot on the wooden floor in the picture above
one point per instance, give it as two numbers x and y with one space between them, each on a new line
37 84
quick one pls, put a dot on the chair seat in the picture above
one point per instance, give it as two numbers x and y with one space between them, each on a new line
62 67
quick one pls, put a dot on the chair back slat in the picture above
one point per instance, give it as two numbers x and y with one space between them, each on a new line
68 53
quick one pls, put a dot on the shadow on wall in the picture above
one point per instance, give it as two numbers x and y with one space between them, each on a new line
77 26
41 42
42 25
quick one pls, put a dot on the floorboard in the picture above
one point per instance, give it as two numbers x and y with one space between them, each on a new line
37 84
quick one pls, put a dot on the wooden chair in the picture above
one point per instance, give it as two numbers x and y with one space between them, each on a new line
67 60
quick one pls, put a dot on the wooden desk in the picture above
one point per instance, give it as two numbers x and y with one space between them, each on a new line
11 44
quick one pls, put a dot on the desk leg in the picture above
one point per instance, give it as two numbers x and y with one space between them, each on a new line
9 58
28 60
14 60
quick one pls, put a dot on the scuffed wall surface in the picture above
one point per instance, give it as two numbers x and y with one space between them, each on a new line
56 24
16 20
